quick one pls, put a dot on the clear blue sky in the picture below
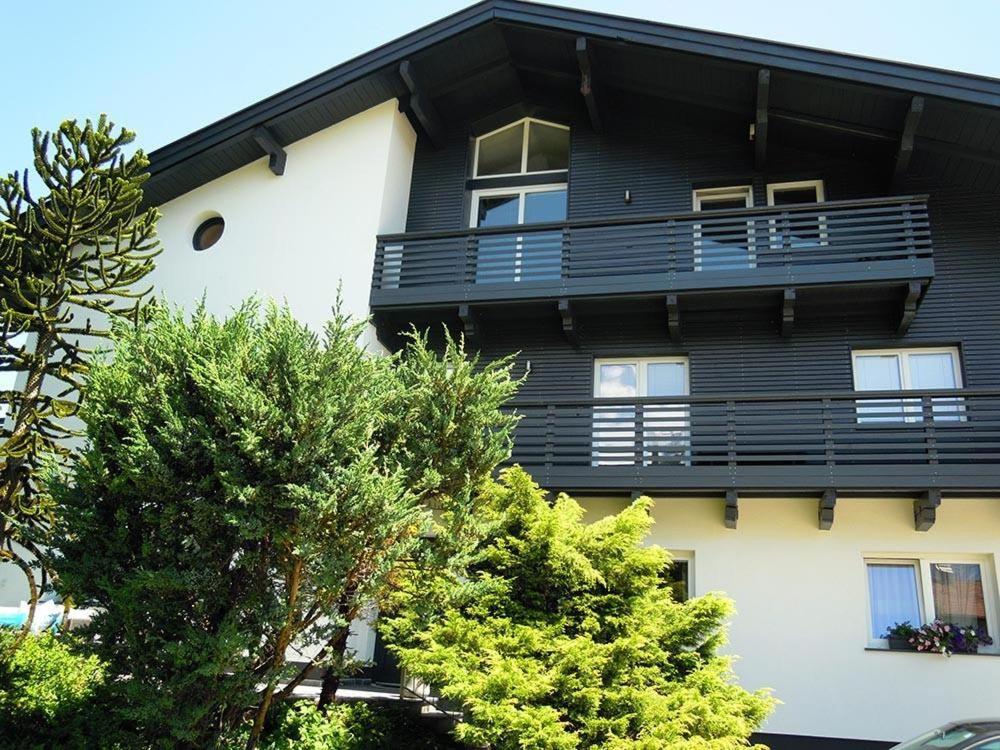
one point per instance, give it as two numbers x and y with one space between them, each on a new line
167 68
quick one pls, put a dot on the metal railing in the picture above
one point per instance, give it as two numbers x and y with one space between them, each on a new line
847 433
690 250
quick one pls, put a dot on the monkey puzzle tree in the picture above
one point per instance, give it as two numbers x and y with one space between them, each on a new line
70 259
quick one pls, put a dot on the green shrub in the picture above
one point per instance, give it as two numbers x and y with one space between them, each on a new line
49 692
353 726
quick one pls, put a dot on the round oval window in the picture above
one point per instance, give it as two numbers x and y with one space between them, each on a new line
208 233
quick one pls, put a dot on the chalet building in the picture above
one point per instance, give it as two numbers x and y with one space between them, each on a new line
755 281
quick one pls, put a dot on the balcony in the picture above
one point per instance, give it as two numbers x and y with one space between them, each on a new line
875 442
883 241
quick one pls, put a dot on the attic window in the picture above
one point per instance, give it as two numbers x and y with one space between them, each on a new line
528 146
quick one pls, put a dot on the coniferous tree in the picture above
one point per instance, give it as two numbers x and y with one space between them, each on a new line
561 635
70 259
249 485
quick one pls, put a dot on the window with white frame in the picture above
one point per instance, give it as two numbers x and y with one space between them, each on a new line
646 433
679 577
921 368
957 589
803 231
528 146
514 257
725 243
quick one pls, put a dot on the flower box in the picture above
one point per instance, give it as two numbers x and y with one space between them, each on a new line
899 643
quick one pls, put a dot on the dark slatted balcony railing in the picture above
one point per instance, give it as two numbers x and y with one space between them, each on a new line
867 441
884 239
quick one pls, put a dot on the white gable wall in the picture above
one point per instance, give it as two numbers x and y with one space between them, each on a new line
294 237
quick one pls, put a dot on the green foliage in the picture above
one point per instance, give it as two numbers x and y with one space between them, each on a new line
566 635
74 254
49 693
249 484
353 726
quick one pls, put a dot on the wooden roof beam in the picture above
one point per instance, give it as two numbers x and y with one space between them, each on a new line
907 140
760 124
276 156
585 60
420 106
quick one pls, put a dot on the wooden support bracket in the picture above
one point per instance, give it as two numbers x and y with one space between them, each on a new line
673 318
925 510
470 326
732 510
787 313
827 504
569 324
585 60
276 156
910 304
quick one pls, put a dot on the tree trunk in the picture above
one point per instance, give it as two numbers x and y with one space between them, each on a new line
331 680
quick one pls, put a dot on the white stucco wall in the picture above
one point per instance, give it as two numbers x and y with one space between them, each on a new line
802 610
294 237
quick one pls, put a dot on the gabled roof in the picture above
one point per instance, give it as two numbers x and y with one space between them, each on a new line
490 39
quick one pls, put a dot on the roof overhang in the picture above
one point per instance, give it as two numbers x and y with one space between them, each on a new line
961 119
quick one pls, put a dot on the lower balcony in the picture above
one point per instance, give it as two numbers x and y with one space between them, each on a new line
875 442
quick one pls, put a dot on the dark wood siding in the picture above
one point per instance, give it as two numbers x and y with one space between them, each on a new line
660 156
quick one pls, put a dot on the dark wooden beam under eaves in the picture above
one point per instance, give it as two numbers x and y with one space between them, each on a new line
760 124
276 156
585 60
907 140
420 106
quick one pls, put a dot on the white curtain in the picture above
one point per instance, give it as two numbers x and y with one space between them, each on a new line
893 591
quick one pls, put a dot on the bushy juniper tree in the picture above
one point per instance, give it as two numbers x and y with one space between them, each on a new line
566 635
71 257
249 485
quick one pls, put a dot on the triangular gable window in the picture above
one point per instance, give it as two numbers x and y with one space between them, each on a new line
528 146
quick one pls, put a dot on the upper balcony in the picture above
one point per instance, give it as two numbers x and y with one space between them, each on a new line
872 242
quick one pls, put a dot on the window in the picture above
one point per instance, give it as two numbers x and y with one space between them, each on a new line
789 193
905 370
528 146
208 233
535 256
678 576
804 231
951 588
725 243
647 432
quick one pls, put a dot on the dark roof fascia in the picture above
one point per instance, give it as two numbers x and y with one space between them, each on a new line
963 87
326 82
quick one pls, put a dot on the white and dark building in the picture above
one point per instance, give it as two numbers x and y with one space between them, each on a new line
757 282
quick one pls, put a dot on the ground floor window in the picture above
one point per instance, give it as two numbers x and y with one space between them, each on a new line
678 576
956 589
